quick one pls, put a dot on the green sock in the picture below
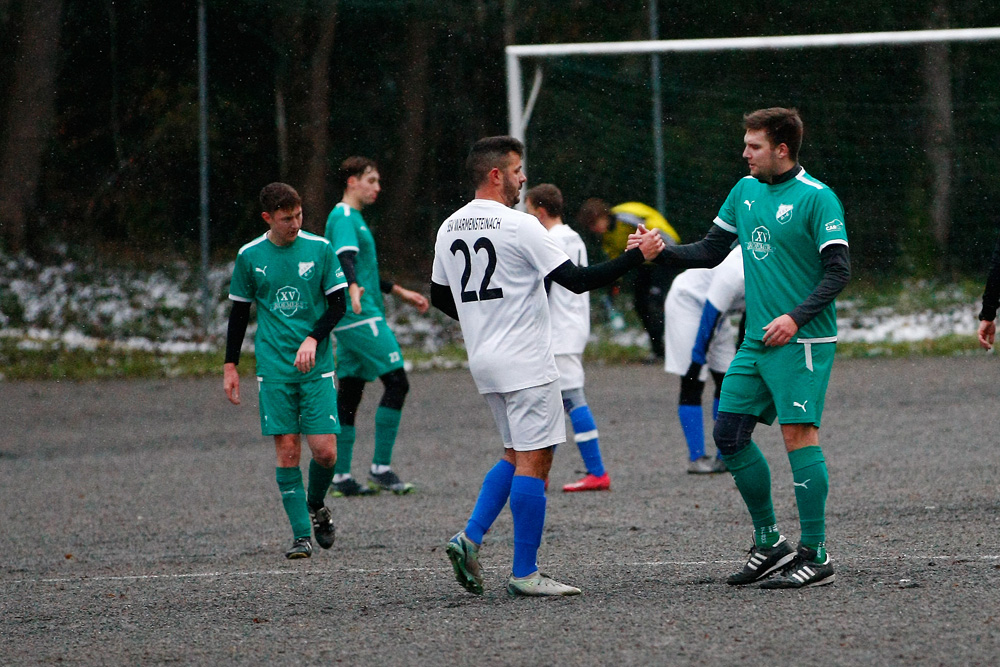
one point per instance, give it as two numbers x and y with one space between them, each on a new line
386 427
753 478
293 497
811 485
345 450
319 483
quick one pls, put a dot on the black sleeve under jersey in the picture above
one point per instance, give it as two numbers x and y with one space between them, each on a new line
442 299
386 286
703 254
347 258
991 295
336 306
239 318
579 279
836 272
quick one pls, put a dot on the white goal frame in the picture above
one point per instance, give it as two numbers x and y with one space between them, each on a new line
519 114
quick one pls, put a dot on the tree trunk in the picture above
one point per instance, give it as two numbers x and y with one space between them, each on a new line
399 240
317 130
940 134
30 113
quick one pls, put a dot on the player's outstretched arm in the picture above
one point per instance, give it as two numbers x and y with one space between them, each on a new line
239 317
442 299
703 254
987 334
991 300
579 279
415 299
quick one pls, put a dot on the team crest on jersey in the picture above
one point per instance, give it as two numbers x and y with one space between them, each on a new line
759 244
784 213
834 225
286 301
306 269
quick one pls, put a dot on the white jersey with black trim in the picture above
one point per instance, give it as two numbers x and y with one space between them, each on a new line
494 260
569 311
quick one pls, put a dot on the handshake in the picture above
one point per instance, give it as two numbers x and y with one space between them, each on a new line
649 242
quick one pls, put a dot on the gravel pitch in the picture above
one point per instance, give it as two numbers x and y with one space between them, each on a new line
142 524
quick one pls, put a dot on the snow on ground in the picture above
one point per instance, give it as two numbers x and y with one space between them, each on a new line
83 307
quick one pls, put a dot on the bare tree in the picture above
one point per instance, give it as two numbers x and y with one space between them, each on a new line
398 236
29 117
317 130
940 133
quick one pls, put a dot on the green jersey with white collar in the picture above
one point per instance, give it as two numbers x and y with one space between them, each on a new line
289 284
782 229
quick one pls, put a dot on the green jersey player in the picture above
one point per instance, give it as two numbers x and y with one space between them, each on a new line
297 283
366 346
791 232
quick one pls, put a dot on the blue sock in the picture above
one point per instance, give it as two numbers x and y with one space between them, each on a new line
693 425
585 430
492 498
527 504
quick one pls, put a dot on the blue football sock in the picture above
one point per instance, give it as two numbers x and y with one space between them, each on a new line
693 425
492 497
585 430
527 504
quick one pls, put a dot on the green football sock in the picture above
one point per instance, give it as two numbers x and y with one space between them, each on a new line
319 483
753 478
811 485
386 427
293 497
345 450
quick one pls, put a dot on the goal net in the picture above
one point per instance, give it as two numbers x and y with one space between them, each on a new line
881 119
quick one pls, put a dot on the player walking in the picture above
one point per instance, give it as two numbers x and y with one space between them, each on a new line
698 341
490 266
795 256
297 283
569 314
366 347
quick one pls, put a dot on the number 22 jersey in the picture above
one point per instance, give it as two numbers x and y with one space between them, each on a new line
494 260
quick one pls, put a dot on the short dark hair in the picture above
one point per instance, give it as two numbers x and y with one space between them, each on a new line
782 126
278 197
356 165
591 211
488 153
547 196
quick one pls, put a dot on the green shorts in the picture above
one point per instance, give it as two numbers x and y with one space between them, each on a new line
367 350
309 408
787 382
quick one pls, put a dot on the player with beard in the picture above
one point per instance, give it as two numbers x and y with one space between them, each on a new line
791 230
490 267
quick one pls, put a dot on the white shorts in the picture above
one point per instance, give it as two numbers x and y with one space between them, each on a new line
570 371
529 419
682 315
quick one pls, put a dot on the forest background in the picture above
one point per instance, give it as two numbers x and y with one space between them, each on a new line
99 117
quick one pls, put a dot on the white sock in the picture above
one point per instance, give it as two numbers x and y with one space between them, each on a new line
379 469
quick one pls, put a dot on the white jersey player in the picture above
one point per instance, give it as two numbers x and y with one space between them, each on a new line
570 316
490 267
700 341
